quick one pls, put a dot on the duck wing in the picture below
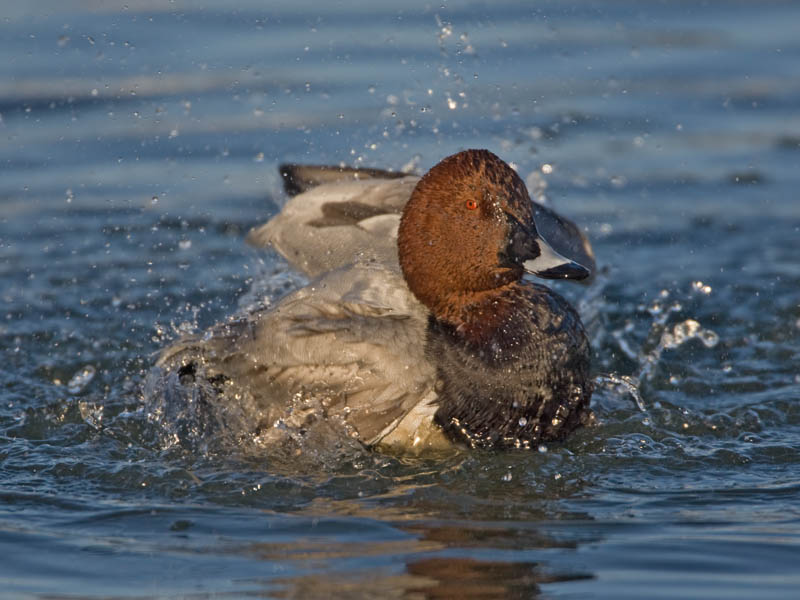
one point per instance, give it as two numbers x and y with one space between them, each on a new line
301 178
334 224
346 349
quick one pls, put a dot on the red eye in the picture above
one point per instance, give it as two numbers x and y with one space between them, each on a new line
472 204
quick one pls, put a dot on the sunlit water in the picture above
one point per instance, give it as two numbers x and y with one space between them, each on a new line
140 143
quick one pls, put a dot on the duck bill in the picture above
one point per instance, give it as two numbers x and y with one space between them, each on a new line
529 249
552 265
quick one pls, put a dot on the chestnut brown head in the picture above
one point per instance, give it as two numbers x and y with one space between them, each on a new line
468 228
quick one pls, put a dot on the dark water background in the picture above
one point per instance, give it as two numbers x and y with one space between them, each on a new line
138 144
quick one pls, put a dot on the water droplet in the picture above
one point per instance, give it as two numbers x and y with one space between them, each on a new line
685 330
699 286
522 421
185 244
507 477
81 379
709 338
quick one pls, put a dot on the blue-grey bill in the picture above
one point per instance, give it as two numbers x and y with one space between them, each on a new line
552 265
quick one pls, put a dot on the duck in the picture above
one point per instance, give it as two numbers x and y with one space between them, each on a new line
418 329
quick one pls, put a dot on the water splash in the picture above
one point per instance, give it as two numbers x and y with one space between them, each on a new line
91 413
670 337
537 185
624 383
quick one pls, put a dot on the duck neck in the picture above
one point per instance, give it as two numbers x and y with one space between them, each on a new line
479 317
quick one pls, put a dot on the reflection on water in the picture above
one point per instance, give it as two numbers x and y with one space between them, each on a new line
430 578
431 570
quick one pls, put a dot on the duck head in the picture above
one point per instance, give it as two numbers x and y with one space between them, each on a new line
468 232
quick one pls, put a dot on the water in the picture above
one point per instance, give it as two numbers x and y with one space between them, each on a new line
140 143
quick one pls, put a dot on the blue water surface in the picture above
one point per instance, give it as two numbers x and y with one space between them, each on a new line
139 143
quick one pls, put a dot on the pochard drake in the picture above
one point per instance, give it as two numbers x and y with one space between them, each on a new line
410 336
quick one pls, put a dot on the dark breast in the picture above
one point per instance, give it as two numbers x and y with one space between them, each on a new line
522 379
